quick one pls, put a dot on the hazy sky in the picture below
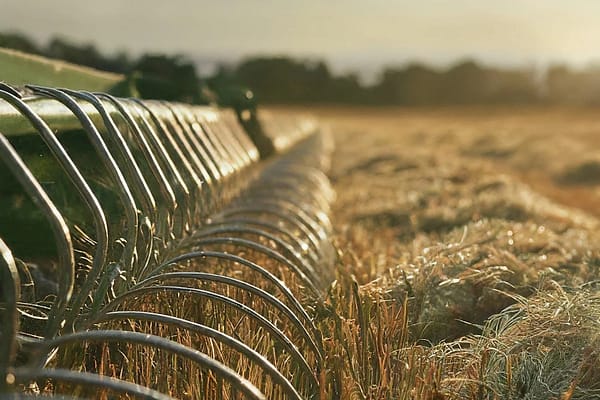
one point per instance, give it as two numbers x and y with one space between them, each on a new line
350 34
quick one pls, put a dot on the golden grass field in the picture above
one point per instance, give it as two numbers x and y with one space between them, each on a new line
469 251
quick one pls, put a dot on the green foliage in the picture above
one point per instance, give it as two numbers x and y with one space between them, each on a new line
164 77
86 54
286 80
18 41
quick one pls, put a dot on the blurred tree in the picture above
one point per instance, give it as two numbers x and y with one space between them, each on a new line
18 41
274 79
348 87
284 80
173 78
567 86
414 84
513 87
83 55
558 80
287 80
87 55
466 83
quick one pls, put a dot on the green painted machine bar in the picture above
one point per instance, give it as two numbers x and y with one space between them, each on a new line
56 115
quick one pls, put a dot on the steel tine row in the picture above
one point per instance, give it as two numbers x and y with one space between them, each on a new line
223 235
300 320
131 208
183 211
254 222
285 129
303 215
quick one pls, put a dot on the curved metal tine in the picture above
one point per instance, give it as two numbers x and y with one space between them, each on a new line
244 309
307 195
24 375
232 127
277 174
168 200
195 185
247 287
34 306
88 197
225 126
182 192
280 246
300 245
144 339
207 331
198 120
243 135
312 146
208 188
294 220
122 187
309 221
62 237
175 176
306 160
296 173
197 178
309 159
136 178
226 166
283 138
213 121
199 128
41 311
292 172
267 275
288 194
267 252
295 198
314 218
10 294
230 124
303 173
164 116
148 218
289 201
240 134
11 90
206 152
290 252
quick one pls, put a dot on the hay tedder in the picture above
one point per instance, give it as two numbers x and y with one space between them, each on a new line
158 250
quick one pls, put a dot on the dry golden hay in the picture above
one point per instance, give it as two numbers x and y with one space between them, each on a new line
447 248
542 347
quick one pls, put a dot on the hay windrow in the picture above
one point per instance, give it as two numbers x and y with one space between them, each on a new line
455 280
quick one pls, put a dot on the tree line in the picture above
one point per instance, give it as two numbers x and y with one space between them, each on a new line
287 80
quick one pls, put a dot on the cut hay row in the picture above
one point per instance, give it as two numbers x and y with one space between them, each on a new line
455 281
